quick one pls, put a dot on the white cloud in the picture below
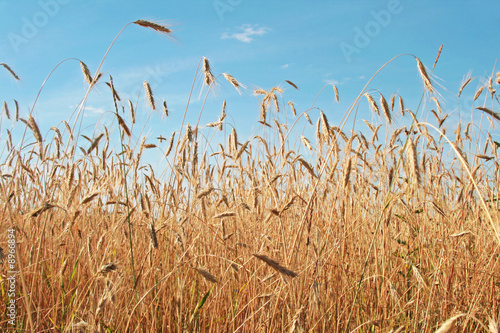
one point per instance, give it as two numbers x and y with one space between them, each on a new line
341 81
245 33
335 82
284 66
94 110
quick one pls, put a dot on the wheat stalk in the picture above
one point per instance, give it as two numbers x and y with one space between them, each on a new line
233 81
36 132
275 265
438 105
149 95
347 172
207 72
425 77
489 112
122 124
372 102
466 81
325 124
6 109
307 117
204 193
132 112
336 93
209 277
88 198
107 268
16 110
155 26
412 155
39 210
152 234
437 57
306 142
292 84
307 166
447 325
10 71
385 109
493 326
170 144
224 214
478 93
293 108
86 73
275 102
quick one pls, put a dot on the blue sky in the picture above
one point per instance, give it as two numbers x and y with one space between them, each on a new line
260 43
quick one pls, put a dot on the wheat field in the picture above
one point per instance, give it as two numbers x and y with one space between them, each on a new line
307 226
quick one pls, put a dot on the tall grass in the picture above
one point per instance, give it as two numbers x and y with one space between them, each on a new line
394 228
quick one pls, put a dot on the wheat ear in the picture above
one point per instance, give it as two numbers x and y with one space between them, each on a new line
155 26
425 77
10 70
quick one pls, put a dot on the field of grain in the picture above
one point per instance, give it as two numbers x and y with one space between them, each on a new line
384 228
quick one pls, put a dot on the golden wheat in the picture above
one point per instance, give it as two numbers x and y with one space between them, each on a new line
395 216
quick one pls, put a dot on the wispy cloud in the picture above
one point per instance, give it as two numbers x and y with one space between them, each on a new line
285 66
90 110
94 110
335 82
245 32
343 80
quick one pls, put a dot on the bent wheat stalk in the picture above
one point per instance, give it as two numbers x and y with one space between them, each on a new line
465 165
